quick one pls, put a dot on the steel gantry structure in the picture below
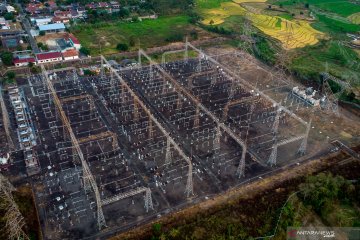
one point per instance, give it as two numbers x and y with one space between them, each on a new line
237 79
200 107
170 140
88 179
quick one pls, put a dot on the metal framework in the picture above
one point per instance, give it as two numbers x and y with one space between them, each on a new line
199 105
88 178
189 184
14 219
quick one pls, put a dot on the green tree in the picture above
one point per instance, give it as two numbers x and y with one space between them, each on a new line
319 189
6 58
10 75
122 47
85 51
42 33
9 16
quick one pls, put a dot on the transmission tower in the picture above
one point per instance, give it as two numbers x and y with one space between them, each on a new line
148 200
88 179
241 168
330 101
302 149
275 131
248 43
14 220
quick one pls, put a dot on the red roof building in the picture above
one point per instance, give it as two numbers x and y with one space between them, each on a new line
20 62
48 57
70 54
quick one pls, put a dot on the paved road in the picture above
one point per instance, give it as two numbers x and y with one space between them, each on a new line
27 28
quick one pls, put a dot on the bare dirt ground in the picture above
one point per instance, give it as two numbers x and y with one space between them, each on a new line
256 189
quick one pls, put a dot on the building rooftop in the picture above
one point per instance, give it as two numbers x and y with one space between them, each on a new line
24 60
48 55
70 53
54 26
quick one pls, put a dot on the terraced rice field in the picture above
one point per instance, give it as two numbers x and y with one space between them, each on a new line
291 33
355 18
218 15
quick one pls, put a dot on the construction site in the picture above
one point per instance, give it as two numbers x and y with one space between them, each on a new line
112 151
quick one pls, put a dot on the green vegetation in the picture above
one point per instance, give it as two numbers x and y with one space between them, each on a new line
326 24
331 198
6 58
312 60
85 51
122 47
148 33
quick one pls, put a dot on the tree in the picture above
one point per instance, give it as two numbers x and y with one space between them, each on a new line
122 47
319 189
9 16
306 5
6 58
211 22
10 75
30 64
42 33
85 51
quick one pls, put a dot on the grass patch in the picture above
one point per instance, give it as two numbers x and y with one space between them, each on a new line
208 4
286 16
149 33
333 26
343 8
311 61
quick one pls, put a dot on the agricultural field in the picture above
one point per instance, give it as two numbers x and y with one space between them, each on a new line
354 18
290 32
103 37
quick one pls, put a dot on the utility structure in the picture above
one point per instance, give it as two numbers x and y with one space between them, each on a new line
199 106
171 141
248 43
275 131
14 219
234 77
303 146
330 101
88 179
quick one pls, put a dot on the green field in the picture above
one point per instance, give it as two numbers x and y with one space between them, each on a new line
103 37
343 8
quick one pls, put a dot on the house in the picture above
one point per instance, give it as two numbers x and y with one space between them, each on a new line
70 54
55 27
103 5
42 21
48 57
34 8
3 21
74 41
22 62
115 5
52 5
62 14
60 20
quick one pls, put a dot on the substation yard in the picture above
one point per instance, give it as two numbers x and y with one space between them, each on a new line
127 146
